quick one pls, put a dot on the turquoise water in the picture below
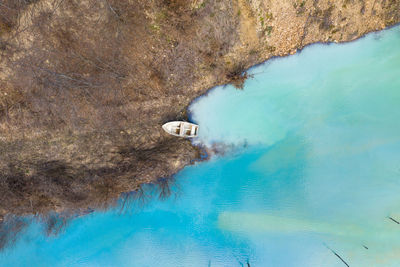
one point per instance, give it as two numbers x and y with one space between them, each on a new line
312 162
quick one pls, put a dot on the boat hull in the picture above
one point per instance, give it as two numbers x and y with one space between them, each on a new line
181 129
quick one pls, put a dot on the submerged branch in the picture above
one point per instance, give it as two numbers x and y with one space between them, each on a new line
337 255
390 218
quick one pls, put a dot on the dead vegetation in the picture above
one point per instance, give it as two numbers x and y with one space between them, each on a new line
237 75
10 228
85 85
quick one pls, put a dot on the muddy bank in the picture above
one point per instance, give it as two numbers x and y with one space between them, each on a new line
86 85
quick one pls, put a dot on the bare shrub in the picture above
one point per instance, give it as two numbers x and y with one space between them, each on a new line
237 75
89 84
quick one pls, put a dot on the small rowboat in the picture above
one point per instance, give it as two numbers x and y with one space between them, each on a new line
181 128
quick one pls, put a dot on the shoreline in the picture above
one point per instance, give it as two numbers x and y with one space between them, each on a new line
287 55
190 115
72 143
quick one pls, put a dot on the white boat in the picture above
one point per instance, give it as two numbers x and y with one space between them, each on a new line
181 128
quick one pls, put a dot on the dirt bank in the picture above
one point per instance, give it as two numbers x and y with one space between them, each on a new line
86 85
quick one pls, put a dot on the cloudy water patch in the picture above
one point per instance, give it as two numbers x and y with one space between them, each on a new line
314 90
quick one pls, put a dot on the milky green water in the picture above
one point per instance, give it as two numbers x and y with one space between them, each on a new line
312 162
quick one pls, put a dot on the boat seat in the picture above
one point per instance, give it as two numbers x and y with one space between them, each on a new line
193 130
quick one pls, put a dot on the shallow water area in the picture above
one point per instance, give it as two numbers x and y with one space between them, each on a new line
320 170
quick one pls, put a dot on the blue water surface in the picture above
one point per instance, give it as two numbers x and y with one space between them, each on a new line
312 165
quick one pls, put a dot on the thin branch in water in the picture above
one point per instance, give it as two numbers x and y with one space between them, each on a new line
337 255
390 218
123 204
164 185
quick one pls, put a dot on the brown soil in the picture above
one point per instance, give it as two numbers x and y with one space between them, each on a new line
86 85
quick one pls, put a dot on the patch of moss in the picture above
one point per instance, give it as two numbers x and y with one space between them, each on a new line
253 51
155 27
269 30
270 48
269 16
335 30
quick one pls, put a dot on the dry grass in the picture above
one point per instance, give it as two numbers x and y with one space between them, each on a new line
85 85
